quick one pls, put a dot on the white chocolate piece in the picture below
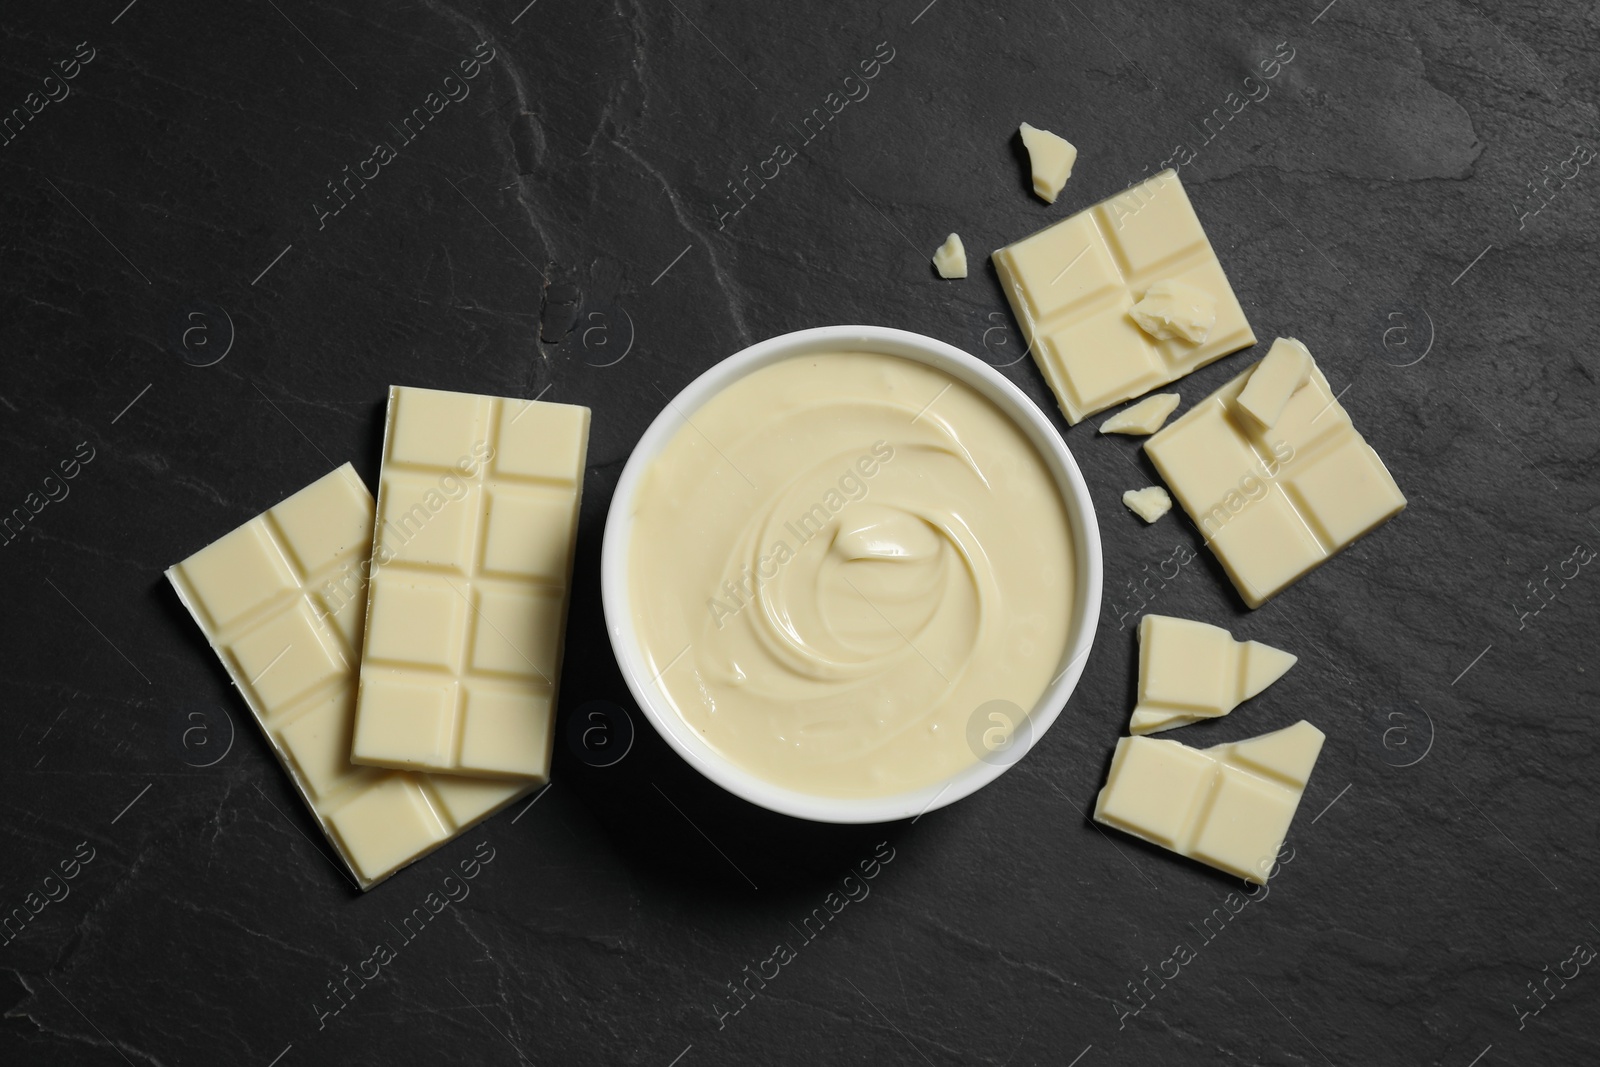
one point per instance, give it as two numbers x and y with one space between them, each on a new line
951 258
1229 806
1145 417
280 600
1191 670
1171 308
477 516
1072 284
1149 504
1051 158
1274 503
1266 393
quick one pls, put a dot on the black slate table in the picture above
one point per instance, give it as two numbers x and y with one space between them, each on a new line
202 310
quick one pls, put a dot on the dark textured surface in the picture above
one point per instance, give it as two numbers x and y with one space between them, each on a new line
518 245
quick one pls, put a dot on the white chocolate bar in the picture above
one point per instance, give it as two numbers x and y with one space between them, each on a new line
1073 285
1192 670
477 517
1274 503
281 600
1229 806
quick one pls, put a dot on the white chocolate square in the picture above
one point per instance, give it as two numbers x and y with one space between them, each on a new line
1072 285
422 523
1153 789
1152 226
1101 357
547 442
418 718
1065 265
1269 550
477 517
292 583
1184 665
433 429
519 631
1344 493
381 825
499 734
1246 822
1274 502
1229 806
416 620
526 533
243 571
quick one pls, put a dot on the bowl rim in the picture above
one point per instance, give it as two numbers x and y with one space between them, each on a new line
617 542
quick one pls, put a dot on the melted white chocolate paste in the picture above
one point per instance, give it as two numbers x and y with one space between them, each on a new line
839 559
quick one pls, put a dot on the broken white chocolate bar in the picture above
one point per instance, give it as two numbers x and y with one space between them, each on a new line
1073 284
477 515
951 258
281 601
1229 806
1287 367
1171 308
1274 502
1191 670
1051 158
1145 417
1149 504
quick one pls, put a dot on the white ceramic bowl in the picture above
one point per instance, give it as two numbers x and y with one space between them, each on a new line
614 562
